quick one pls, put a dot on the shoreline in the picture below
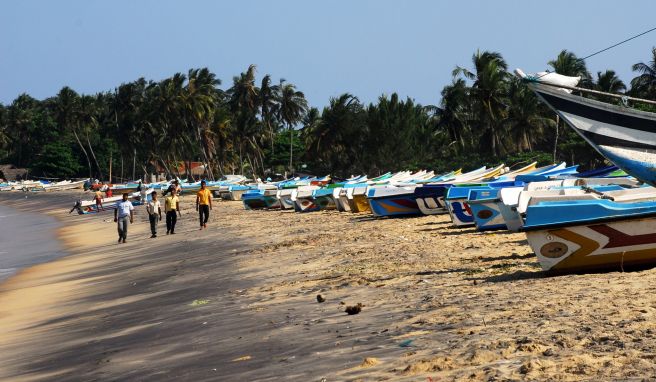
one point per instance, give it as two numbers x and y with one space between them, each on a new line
238 302
29 239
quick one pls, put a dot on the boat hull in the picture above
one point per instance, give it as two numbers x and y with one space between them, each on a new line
487 215
625 136
595 246
460 212
395 205
261 202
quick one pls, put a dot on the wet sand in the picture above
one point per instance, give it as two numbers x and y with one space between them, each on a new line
27 239
239 302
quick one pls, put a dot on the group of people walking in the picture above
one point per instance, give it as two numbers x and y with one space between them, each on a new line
124 213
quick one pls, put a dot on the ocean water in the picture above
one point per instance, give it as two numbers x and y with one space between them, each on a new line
26 239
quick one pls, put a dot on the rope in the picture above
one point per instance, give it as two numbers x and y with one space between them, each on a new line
608 48
618 44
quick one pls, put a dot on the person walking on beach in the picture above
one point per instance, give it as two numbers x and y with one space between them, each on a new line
203 204
154 214
171 205
122 214
98 196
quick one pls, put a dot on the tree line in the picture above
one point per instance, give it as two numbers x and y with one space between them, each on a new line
266 128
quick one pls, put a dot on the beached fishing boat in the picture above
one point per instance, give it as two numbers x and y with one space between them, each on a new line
430 197
626 136
264 196
581 235
108 204
303 199
490 212
514 202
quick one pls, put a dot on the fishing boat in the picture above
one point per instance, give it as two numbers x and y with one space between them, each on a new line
430 197
582 235
303 199
516 202
490 212
262 197
108 204
625 136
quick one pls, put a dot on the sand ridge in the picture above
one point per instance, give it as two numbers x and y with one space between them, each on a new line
438 302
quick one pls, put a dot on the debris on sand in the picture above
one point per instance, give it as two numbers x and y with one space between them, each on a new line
369 362
320 298
355 309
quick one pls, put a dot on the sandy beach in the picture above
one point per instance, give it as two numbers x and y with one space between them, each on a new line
238 302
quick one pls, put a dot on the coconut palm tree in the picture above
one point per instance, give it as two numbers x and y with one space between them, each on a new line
88 123
644 84
490 79
292 107
200 101
333 138
244 106
454 113
527 119
67 114
567 64
268 95
609 82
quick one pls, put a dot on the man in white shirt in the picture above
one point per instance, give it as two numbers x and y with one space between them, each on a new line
122 213
154 210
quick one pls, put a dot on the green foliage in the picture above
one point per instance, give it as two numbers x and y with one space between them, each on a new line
56 160
485 116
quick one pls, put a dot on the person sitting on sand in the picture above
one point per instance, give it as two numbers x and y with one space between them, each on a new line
122 213
203 204
171 205
172 187
98 197
154 214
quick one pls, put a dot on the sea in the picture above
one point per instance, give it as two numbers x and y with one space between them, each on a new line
26 239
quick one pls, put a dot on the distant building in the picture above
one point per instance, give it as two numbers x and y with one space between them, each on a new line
11 172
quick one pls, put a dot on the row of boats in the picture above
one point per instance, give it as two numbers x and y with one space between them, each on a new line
573 221
40 185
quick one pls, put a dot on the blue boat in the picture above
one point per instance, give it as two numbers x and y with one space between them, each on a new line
581 235
260 198
458 207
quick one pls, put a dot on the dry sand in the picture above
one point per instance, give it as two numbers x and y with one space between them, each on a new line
238 302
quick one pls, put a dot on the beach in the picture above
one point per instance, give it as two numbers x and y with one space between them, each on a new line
238 302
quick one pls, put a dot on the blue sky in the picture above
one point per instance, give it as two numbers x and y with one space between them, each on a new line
326 48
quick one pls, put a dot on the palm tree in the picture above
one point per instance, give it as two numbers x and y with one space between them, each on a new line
527 118
200 101
292 107
644 84
567 64
88 123
332 138
488 91
267 100
454 113
67 115
244 105
4 137
609 82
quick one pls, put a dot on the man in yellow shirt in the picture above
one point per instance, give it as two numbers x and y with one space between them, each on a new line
171 205
203 204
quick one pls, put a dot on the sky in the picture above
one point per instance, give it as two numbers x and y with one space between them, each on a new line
326 48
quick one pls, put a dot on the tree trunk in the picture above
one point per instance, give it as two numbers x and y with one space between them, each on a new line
291 149
241 160
84 151
121 166
134 163
556 139
93 154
